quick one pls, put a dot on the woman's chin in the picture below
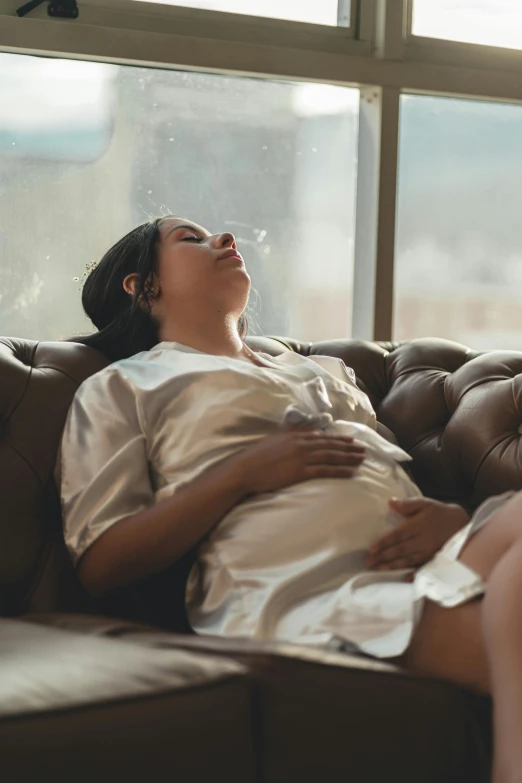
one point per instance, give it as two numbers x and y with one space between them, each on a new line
234 265
238 273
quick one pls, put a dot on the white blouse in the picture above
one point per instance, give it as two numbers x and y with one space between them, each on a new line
287 564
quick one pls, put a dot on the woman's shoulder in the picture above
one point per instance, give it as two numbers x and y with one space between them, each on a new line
117 374
146 370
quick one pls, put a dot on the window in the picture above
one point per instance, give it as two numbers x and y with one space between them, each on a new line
492 22
273 162
458 267
88 149
328 12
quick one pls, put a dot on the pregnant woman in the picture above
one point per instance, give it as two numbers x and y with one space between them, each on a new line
274 471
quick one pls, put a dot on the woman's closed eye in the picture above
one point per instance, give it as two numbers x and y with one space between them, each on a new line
192 238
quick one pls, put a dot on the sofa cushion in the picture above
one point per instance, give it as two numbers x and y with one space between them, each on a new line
39 381
84 708
329 716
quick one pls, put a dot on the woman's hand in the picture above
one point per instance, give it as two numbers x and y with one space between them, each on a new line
427 525
293 456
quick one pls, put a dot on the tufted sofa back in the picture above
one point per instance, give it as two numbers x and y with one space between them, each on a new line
457 412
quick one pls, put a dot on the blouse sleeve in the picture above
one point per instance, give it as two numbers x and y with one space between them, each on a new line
104 466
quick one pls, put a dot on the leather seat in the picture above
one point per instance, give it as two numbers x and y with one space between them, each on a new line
85 708
333 717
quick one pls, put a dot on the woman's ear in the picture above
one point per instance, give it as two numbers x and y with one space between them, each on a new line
151 290
129 284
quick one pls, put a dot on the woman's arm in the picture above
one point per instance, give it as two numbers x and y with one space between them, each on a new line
146 543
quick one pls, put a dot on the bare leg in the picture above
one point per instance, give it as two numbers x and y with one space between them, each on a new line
502 623
479 644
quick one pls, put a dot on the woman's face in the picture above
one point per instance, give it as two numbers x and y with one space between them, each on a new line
198 271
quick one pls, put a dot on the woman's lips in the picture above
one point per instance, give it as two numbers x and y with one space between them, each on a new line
232 254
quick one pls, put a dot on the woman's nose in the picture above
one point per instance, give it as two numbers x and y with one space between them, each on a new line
226 240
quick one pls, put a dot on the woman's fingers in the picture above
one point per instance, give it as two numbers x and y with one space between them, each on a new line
336 457
324 442
392 539
410 506
396 565
388 555
399 556
399 545
311 434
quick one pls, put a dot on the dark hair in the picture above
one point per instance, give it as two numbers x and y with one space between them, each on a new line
124 321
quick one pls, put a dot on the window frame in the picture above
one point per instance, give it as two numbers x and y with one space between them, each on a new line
156 22
378 54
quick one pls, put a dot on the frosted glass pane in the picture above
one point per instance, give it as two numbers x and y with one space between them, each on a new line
459 241
491 22
87 151
327 12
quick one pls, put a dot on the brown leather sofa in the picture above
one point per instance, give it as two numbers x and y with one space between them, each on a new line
122 691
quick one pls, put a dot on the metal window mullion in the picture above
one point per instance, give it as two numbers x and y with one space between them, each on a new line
391 28
363 20
374 250
408 20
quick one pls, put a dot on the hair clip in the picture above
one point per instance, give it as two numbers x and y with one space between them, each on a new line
90 267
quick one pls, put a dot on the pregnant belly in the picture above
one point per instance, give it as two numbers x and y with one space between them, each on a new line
272 555
315 519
